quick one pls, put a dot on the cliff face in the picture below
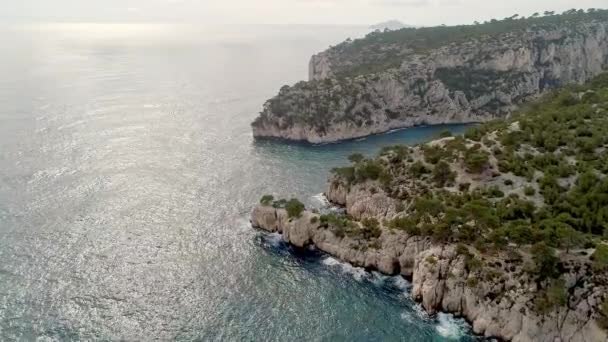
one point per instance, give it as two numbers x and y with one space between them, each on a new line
501 306
354 92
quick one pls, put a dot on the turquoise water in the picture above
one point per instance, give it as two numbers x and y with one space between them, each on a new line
127 174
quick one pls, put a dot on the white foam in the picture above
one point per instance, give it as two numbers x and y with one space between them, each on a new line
378 278
275 239
420 312
321 199
450 327
402 284
407 316
357 272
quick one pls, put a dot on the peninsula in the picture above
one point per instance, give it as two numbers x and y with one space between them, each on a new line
505 226
436 75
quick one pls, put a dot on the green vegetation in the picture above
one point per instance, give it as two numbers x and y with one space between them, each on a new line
475 159
529 191
379 51
545 260
267 200
600 258
294 208
558 145
343 226
549 200
603 319
443 174
553 296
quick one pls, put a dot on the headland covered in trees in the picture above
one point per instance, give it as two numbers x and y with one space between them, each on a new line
506 226
436 75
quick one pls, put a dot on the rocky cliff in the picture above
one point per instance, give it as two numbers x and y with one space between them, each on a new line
498 300
506 225
429 76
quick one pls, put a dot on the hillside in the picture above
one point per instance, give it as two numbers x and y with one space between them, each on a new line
506 226
420 76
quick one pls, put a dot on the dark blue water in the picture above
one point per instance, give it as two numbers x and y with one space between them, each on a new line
127 174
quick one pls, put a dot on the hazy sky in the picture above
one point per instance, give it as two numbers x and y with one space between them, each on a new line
415 12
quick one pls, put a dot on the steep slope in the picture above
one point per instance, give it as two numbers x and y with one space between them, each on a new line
506 226
435 75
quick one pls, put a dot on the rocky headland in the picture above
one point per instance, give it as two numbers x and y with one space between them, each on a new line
439 75
506 226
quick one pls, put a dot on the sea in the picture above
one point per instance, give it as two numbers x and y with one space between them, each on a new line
128 172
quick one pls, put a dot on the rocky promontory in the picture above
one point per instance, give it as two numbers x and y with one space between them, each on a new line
506 226
425 76
441 281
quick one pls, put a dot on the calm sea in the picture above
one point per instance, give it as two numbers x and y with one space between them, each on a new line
127 174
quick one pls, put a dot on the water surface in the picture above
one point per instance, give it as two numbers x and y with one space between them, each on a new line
127 174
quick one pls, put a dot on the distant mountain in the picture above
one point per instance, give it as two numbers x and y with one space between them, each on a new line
391 25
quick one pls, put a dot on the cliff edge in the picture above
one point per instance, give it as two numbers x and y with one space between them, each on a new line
424 76
506 225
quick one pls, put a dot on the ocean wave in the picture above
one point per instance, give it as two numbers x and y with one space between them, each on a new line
451 327
321 199
274 239
420 312
357 272
416 315
402 284
378 278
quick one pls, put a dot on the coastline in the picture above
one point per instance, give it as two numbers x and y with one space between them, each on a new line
380 281
437 272
305 142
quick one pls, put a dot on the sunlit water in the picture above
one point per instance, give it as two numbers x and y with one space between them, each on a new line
127 173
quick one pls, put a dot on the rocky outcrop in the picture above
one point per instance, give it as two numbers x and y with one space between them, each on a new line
498 300
496 308
475 80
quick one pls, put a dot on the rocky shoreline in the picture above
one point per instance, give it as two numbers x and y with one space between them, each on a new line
496 307
473 80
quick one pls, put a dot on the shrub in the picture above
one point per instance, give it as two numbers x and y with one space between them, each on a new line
294 208
495 192
553 297
568 237
472 282
472 263
280 204
314 219
267 200
603 319
508 182
529 191
462 249
443 175
445 134
371 169
346 173
371 228
356 158
600 258
546 263
464 187
476 160
433 154
418 169
473 134
406 224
